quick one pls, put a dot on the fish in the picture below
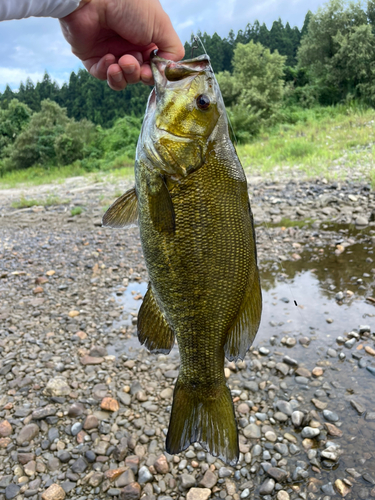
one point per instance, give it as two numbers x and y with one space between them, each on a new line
196 226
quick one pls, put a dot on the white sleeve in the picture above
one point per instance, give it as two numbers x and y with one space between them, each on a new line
19 9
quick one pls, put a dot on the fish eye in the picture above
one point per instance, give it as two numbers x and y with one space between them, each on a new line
203 101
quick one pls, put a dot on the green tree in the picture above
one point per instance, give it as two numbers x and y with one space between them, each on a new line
12 121
255 88
332 35
50 137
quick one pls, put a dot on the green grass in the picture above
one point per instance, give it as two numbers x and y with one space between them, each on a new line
76 211
118 169
24 202
322 144
50 201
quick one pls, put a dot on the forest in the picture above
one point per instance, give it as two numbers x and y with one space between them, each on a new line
267 76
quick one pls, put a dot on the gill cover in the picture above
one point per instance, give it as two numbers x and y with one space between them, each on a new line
182 113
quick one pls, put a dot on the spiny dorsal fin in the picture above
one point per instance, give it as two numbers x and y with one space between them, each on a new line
153 330
123 212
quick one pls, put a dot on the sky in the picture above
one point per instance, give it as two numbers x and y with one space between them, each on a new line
29 47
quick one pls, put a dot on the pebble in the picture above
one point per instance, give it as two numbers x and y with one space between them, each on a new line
27 433
5 429
54 492
198 494
144 475
310 432
58 386
267 487
358 407
11 491
330 416
131 492
283 495
161 465
284 407
252 431
209 480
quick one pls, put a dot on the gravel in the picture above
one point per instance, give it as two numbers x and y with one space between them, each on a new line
84 409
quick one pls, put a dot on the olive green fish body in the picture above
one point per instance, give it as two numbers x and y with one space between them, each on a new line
197 235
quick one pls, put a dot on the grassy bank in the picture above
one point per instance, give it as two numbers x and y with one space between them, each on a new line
333 144
329 142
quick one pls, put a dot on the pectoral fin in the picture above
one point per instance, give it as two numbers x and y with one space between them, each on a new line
160 204
123 212
153 329
243 331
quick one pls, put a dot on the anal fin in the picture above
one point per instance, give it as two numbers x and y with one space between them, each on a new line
153 329
242 333
123 212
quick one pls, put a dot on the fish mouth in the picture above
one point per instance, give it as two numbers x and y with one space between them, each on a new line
169 74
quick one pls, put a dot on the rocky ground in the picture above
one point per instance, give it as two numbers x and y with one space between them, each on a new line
81 418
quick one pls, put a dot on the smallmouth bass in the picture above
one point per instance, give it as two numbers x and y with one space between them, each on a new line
196 227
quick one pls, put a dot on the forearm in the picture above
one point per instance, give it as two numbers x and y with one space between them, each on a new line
20 9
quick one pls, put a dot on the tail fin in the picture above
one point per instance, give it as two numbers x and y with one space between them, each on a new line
208 420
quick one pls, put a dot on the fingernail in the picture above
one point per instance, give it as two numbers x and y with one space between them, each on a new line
129 69
117 77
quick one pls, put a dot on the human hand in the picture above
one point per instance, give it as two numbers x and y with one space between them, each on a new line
114 38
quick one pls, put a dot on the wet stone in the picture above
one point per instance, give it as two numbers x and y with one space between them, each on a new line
224 472
279 475
297 418
282 368
310 432
330 416
280 417
267 487
358 407
328 489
